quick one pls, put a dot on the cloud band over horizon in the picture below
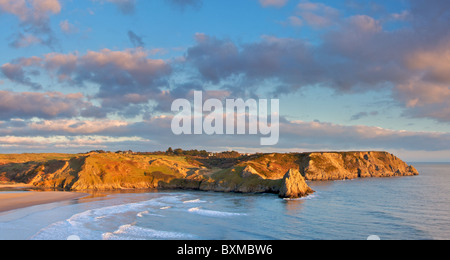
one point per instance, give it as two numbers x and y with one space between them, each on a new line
120 91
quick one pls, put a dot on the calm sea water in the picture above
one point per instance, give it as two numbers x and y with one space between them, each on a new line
406 208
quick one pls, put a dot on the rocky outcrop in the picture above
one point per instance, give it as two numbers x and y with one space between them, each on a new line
352 165
249 172
283 174
294 186
329 166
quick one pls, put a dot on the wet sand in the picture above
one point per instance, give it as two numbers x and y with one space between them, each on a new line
17 200
15 186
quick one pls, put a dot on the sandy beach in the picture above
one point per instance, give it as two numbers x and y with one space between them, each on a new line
12 201
15 186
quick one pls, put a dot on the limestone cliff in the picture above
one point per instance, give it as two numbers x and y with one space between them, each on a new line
331 165
96 171
352 165
283 174
294 185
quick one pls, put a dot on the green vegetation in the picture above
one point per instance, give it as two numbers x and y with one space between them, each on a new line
228 171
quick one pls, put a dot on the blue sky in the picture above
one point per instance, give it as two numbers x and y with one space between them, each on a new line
350 75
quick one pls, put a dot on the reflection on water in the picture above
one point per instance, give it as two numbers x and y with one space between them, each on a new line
294 207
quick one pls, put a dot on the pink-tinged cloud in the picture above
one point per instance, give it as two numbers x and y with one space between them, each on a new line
34 17
427 92
294 21
308 136
317 15
135 62
26 40
354 54
63 143
67 27
418 93
41 105
125 6
125 81
123 77
365 23
273 3
33 11
434 63
16 71
78 127
323 135
128 67
294 135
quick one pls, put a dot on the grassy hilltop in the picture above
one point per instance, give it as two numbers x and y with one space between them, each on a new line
225 172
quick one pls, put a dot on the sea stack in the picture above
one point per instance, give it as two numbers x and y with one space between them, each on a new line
294 186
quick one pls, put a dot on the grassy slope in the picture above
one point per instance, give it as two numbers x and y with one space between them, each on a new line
94 171
109 171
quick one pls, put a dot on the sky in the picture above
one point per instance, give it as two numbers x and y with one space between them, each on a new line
351 75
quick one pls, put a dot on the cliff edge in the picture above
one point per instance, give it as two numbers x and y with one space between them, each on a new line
283 174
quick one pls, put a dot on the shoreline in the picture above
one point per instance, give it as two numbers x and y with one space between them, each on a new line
18 200
15 186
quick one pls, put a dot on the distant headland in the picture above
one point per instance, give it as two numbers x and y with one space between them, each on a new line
283 174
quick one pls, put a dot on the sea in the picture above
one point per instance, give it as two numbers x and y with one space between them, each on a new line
403 208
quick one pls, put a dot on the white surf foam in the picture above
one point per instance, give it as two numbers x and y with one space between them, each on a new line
213 213
309 197
194 201
131 232
141 214
89 224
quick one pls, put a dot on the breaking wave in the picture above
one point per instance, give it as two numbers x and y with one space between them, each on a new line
131 232
213 213
91 224
194 201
